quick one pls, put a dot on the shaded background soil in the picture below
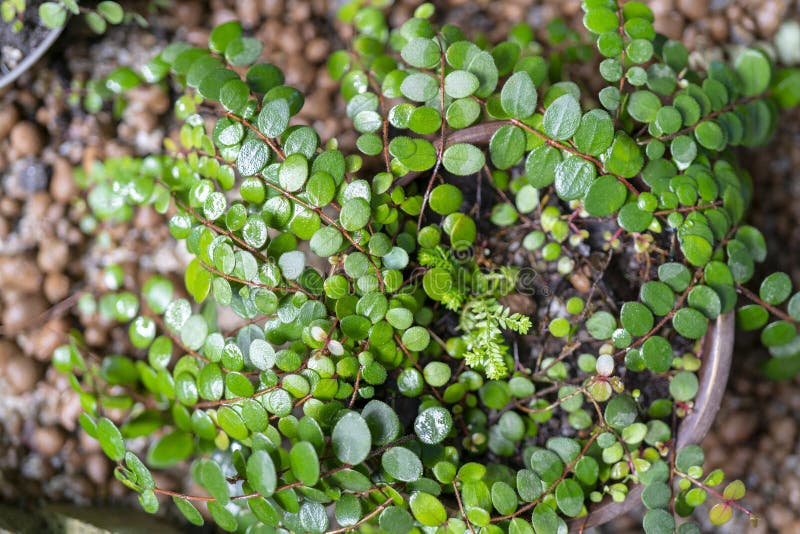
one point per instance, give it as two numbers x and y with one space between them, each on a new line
45 260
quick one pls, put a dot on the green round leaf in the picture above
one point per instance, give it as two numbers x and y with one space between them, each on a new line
569 497
755 71
261 473
690 323
605 196
636 318
351 439
445 199
110 439
683 386
304 463
421 52
463 159
460 84
775 288
416 338
433 425
643 106
518 96
778 333
427 509
562 117
657 354
402 464
574 176
507 146
595 132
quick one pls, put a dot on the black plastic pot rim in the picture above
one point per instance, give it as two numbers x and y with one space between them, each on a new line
31 58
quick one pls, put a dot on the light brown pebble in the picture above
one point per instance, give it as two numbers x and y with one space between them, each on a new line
26 139
141 120
147 217
769 16
97 468
661 7
8 118
272 8
7 350
189 13
22 373
21 312
153 97
315 105
670 24
694 9
48 338
247 11
300 11
779 516
19 273
718 27
317 49
9 207
71 408
47 441
292 43
738 428
87 443
38 205
62 183
580 282
783 430
53 256
95 336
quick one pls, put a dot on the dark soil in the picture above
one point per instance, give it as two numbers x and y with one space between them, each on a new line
16 46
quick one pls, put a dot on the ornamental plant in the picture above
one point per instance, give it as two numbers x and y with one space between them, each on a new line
487 318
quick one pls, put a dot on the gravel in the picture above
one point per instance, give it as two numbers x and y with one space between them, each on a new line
45 261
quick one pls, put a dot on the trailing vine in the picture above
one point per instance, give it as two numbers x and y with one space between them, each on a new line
383 369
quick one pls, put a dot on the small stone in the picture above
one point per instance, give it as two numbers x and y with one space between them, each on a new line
769 15
670 24
738 428
26 139
779 516
53 256
8 118
317 49
22 313
580 282
694 9
47 441
22 373
47 338
28 175
783 430
19 273
247 10
97 468
62 184
292 43
718 27
272 8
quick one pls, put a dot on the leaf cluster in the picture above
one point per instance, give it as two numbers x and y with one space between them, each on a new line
336 393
